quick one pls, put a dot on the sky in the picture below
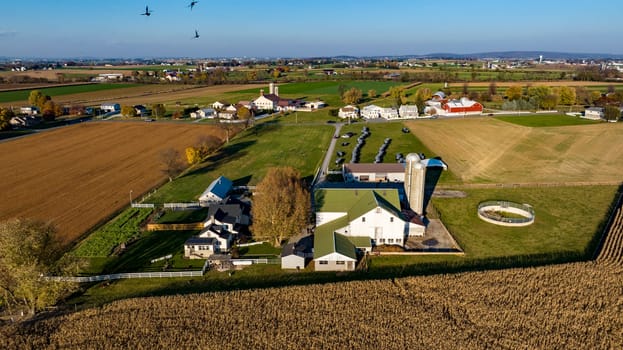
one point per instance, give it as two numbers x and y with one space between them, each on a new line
304 28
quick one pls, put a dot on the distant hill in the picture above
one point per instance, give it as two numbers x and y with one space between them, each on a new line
547 55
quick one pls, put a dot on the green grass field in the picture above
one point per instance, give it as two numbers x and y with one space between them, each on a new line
545 120
246 159
21 95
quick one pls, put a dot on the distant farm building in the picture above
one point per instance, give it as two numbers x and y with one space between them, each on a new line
348 111
110 107
439 105
594 113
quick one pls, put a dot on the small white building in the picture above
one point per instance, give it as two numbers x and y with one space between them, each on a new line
371 112
348 111
219 105
216 192
110 107
203 113
199 247
594 113
295 255
389 113
29 110
373 172
408 111
315 105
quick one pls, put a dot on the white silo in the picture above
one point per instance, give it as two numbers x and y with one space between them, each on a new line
415 180
271 88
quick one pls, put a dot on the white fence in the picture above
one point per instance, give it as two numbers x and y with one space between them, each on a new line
255 261
118 276
162 258
143 205
182 206
251 244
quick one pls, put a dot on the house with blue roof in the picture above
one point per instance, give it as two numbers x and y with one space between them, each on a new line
216 192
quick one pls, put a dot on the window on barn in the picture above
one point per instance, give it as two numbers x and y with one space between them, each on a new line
339 262
363 219
323 262
391 219
378 210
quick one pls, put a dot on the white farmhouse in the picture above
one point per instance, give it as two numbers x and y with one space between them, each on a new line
388 113
408 111
594 113
351 220
203 113
348 111
371 112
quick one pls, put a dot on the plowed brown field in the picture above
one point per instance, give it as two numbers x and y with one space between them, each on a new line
79 175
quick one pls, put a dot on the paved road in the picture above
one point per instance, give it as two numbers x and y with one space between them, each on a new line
324 168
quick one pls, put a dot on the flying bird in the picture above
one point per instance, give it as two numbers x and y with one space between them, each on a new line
147 12
196 34
192 4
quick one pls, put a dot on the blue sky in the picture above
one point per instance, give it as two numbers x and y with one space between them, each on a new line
280 28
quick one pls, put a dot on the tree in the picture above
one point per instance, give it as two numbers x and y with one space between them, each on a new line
158 110
281 205
50 110
567 95
612 112
5 118
371 93
37 98
513 93
172 161
193 155
397 94
30 251
128 111
206 144
352 96
245 114
493 89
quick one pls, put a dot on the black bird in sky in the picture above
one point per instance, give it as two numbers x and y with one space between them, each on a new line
192 4
196 34
147 12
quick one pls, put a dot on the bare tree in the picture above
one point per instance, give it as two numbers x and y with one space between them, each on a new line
172 162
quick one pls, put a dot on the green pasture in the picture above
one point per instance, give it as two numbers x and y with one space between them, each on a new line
246 159
21 95
545 120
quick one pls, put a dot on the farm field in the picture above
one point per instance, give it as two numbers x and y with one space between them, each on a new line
22 95
572 306
79 175
138 94
545 120
246 158
485 150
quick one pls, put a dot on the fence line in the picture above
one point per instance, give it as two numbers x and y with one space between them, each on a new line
175 227
143 205
537 184
255 261
250 244
182 206
117 276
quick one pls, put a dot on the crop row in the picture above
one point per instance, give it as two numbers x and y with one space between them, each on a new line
612 249
125 226
569 306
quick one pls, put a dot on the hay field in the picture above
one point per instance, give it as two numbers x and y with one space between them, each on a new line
79 175
485 150
145 94
572 306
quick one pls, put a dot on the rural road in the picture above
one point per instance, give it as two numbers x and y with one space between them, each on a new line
324 168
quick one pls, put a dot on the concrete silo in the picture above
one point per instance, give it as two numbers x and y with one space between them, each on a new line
415 180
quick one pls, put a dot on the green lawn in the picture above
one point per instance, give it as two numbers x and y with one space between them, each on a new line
545 120
21 95
566 220
246 159
183 216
